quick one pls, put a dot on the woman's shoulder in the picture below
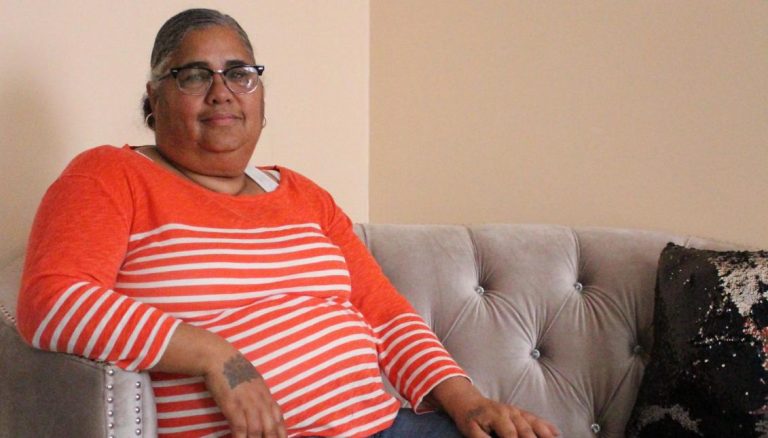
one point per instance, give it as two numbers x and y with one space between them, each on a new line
102 160
297 185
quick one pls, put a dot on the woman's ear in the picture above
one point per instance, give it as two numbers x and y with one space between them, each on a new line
152 95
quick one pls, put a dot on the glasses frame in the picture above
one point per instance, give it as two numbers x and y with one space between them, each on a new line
174 72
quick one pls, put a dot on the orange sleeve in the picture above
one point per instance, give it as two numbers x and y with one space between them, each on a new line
410 355
67 303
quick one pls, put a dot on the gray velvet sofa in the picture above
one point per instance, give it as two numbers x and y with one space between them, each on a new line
555 319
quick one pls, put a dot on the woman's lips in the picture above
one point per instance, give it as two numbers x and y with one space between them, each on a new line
220 119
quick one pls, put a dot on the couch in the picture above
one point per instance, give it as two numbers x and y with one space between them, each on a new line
557 320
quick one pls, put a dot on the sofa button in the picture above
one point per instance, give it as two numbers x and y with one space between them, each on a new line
535 353
578 286
595 428
480 290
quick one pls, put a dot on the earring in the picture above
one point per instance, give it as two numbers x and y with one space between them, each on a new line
146 119
264 122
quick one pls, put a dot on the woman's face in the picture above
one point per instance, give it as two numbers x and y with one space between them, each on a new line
215 133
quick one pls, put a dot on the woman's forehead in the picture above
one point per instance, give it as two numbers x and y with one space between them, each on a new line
216 46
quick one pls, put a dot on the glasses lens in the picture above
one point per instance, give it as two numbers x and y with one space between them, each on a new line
242 79
193 80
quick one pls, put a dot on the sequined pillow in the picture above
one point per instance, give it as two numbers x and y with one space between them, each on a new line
708 375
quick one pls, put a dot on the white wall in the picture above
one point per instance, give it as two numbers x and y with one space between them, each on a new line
74 73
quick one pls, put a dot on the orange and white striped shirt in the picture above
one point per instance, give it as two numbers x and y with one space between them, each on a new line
123 250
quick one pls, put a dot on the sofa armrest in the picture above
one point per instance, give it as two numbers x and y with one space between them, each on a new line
53 394
56 394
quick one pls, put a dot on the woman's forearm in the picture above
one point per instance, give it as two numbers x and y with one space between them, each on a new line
450 394
196 352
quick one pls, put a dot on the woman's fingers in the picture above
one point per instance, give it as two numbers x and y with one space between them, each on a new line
541 427
491 418
251 413
278 415
245 400
522 426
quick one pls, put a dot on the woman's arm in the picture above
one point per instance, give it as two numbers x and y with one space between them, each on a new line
236 386
410 355
67 302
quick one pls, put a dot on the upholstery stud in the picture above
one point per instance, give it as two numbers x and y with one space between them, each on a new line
480 290
110 399
111 372
110 413
138 421
137 409
595 428
535 353
110 386
111 425
138 431
578 286
138 384
138 397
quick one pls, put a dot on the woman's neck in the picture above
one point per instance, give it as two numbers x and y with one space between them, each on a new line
234 185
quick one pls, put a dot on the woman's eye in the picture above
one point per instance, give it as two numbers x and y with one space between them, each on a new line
194 76
238 74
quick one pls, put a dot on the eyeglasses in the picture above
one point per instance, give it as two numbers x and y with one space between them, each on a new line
240 79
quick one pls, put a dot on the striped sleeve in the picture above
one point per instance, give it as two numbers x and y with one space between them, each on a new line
413 359
95 322
66 302
410 355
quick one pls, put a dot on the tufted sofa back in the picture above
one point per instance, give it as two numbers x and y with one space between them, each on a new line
553 319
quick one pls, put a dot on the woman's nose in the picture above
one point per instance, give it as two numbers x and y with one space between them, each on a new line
218 92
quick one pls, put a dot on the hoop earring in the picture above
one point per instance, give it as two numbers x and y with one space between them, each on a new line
146 119
264 122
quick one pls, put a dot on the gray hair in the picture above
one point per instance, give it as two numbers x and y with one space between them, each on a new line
169 39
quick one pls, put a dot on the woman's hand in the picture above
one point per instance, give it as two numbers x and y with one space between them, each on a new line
479 417
245 400
234 383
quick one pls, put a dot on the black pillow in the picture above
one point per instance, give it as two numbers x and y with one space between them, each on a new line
708 374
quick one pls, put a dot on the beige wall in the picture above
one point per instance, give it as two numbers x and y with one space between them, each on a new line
648 114
636 114
74 72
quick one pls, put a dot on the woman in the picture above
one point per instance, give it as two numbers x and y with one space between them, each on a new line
244 291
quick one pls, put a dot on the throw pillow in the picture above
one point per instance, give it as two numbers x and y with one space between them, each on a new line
708 375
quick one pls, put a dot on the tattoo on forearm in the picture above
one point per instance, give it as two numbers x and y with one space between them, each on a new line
239 370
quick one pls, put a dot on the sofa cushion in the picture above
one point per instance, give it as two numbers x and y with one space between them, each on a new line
708 374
